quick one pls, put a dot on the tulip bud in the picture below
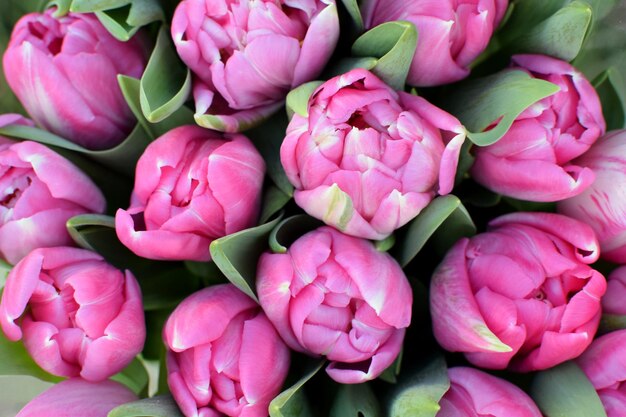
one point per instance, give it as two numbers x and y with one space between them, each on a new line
64 72
192 185
80 315
451 33
367 159
603 205
223 355
613 301
39 192
520 295
78 398
337 296
533 160
246 56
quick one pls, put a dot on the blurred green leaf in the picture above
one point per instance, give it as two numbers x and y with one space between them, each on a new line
500 98
274 200
166 82
344 65
611 322
236 255
610 86
290 229
298 98
565 391
417 394
159 406
134 376
15 360
352 8
355 400
424 226
393 43
292 402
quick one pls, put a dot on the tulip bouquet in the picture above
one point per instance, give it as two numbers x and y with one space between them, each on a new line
285 208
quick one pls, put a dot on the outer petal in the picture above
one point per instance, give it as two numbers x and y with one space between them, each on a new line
604 362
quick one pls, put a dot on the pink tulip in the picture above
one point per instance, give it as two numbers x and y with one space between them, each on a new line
604 363
451 34
64 72
192 186
533 161
39 192
80 315
337 296
614 301
368 159
247 55
78 398
520 295
603 205
475 393
223 355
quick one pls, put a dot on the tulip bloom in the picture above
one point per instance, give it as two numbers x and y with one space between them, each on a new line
337 296
451 33
475 393
533 160
520 295
603 205
80 315
64 72
39 191
368 159
223 355
604 363
613 301
78 398
192 186
247 55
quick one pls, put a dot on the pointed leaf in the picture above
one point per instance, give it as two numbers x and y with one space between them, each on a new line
352 8
298 98
394 43
236 255
609 86
88 6
134 376
273 201
565 391
418 394
290 229
159 406
15 360
166 82
292 402
356 400
425 225
500 97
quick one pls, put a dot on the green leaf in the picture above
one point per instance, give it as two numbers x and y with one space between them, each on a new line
115 22
273 201
565 391
355 14
236 255
89 6
391 373
292 402
418 394
355 400
15 360
394 43
609 86
424 226
159 406
386 244
18 390
166 82
611 322
5 268
347 64
268 138
500 97
290 229
134 376
298 98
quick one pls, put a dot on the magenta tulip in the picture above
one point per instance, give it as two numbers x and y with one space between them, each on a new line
533 161
192 185
39 192
604 363
64 72
223 355
78 398
337 296
246 56
613 303
521 295
603 205
451 34
368 159
474 393
80 316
